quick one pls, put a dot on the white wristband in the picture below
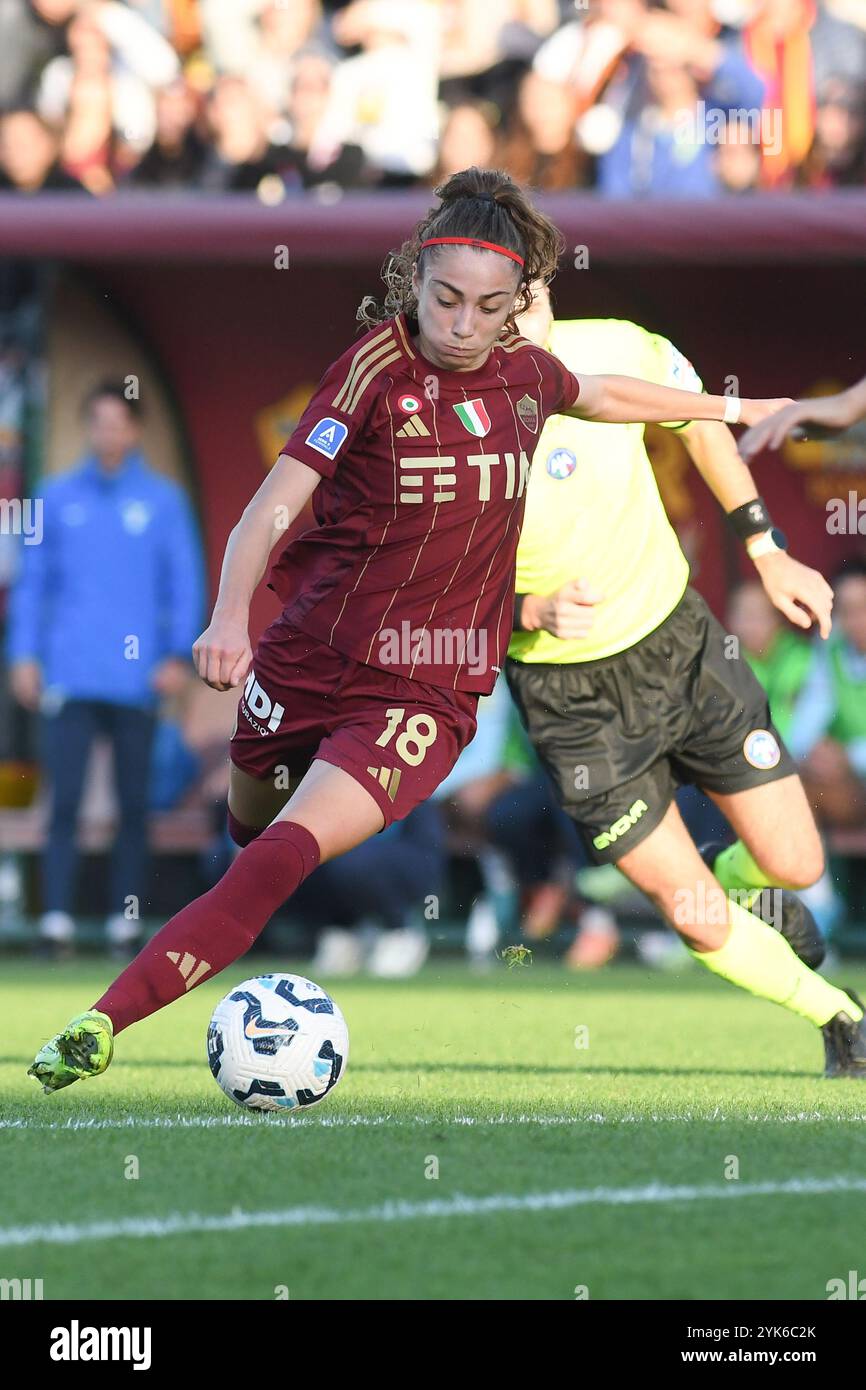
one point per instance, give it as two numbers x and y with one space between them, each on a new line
733 407
762 544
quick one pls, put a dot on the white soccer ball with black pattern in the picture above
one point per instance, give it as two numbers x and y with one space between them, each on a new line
278 1042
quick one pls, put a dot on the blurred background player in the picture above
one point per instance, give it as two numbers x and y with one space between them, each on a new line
100 624
828 719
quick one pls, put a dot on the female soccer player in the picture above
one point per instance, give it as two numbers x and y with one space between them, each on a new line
398 606
628 687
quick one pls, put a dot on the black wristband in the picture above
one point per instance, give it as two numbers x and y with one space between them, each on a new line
750 519
517 625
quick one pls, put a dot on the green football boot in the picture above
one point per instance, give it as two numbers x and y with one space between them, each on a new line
84 1048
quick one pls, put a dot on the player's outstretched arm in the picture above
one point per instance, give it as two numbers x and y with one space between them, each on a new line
804 419
222 655
627 400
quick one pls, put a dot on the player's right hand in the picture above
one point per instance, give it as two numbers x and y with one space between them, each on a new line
222 655
567 613
25 680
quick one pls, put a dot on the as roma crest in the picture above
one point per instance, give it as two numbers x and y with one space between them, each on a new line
527 409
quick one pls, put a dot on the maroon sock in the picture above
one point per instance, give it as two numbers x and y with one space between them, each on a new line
216 928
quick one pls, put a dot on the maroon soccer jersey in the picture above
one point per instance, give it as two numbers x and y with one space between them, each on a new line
424 472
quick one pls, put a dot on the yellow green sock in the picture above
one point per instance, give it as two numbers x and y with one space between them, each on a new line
737 871
759 959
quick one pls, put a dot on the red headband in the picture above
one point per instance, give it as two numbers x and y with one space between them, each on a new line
471 241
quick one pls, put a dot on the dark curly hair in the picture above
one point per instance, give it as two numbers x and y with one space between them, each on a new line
483 203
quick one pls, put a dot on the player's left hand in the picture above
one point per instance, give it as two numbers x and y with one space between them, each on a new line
171 675
802 594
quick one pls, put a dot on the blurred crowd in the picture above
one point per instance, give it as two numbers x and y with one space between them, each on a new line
666 98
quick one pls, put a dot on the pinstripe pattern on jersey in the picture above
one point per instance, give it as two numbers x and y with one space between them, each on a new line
375 347
381 541
400 326
505 531
507 597
365 380
430 528
374 552
516 502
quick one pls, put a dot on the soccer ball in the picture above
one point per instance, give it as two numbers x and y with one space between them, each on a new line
277 1042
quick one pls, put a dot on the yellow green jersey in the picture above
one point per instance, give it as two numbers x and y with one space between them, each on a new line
593 509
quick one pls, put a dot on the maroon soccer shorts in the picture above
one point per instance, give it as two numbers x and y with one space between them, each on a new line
302 700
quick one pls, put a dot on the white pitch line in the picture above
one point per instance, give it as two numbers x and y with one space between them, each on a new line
267 1119
194 1223
275 1120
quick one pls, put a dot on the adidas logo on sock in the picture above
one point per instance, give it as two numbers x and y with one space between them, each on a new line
414 426
191 969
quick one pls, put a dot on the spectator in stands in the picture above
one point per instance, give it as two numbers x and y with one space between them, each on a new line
89 145
101 622
486 46
238 34
309 92
662 152
375 906
239 154
176 157
585 55
837 158
684 76
544 849
541 149
624 95
500 809
851 11
30 156
115 56
468 136
283 31
714 53
642 81
737 159
796 46
178 20
780 657
828 728
384 99
32 32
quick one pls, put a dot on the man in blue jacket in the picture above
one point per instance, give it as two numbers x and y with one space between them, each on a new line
102 618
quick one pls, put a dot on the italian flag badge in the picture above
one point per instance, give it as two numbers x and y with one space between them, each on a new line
473 417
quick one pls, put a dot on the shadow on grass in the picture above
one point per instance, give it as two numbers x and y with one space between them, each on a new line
494 1068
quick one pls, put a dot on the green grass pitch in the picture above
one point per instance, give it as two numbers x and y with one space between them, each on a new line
604 1168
